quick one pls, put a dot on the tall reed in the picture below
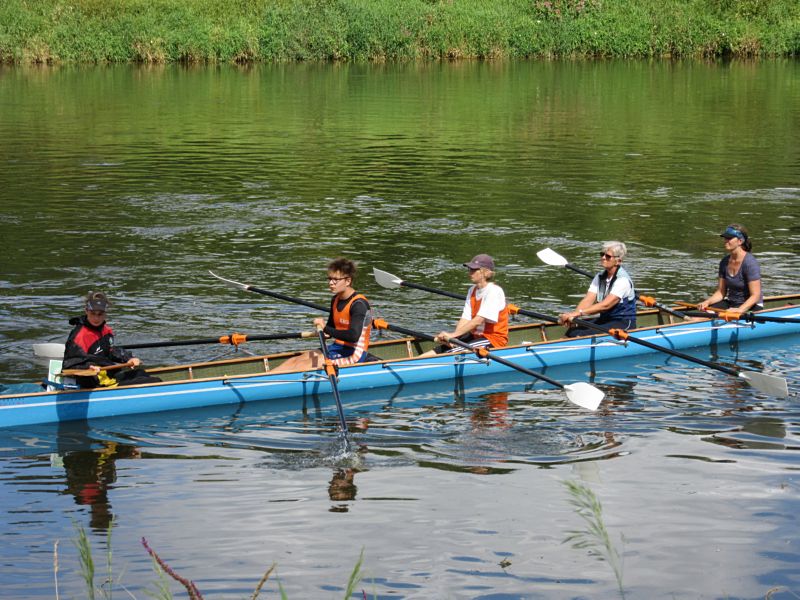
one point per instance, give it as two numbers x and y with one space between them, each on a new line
594 537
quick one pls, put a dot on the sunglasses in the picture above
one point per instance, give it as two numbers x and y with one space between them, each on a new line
607 256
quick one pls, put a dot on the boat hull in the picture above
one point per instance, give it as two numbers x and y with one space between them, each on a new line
239 387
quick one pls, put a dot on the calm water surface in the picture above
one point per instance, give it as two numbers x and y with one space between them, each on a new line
139 180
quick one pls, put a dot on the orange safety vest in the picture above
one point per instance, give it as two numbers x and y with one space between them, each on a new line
341 321
496 333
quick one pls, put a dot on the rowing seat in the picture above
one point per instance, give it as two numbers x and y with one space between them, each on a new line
54 381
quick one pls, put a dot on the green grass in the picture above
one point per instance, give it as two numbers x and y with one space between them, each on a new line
164 574
208 31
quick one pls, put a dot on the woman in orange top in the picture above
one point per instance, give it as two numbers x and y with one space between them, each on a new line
484 319
349 323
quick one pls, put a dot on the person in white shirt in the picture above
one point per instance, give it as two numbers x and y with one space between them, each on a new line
484 319
611 295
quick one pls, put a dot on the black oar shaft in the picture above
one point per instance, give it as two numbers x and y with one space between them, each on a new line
746 316
330 370
424 288
579 270
768 319
620 334
479 351
285 298
233 339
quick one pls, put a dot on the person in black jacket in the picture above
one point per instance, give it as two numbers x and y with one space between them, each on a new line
90 345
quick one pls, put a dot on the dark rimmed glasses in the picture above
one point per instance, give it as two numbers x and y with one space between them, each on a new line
337 279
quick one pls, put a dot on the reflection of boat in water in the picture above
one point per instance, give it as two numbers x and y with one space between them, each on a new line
88 460
534 346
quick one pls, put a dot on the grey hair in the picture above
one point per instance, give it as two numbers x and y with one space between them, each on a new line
618 249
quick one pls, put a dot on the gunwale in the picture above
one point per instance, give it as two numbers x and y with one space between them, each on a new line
247 383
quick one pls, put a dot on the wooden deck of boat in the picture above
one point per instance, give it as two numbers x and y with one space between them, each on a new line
526 333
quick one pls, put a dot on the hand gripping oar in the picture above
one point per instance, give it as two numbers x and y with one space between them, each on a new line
330 371
583 394
91 372
554 259
729 315
769 384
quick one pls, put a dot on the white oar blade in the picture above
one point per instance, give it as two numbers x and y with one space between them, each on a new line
243 286
584 395
552 258
769 384
385 279
50 350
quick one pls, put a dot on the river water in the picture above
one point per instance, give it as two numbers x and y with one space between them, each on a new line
138 180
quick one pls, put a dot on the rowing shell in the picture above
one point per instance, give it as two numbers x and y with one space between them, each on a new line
534 346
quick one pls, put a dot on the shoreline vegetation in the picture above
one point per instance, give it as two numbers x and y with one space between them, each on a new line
257 31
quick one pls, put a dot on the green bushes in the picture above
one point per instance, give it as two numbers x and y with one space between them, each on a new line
157 31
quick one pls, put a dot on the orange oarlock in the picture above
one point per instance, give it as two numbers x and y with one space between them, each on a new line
619 334
482 352
513 309
380 324
330 368
238 338
233 339
648 300
728 315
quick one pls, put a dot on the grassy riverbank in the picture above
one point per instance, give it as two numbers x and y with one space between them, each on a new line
156 31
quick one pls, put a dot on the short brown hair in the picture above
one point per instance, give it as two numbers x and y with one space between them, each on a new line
344 266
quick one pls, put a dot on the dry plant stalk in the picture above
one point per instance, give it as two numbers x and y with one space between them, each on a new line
194 593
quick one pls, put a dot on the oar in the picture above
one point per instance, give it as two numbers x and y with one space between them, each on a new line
234 339
553 258
769 384
252 288
90 372
390 281
330 371
56 351
729 315
582 394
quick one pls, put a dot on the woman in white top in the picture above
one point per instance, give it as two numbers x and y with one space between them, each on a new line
611 295
484 319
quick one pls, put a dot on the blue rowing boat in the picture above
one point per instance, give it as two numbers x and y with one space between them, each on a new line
536 346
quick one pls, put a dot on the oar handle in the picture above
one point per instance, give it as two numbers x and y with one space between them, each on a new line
90 372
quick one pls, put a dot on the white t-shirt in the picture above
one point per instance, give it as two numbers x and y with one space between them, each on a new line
493 300
622 287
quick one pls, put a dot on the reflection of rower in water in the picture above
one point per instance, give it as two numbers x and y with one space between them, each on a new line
342 488
492 412
89 474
